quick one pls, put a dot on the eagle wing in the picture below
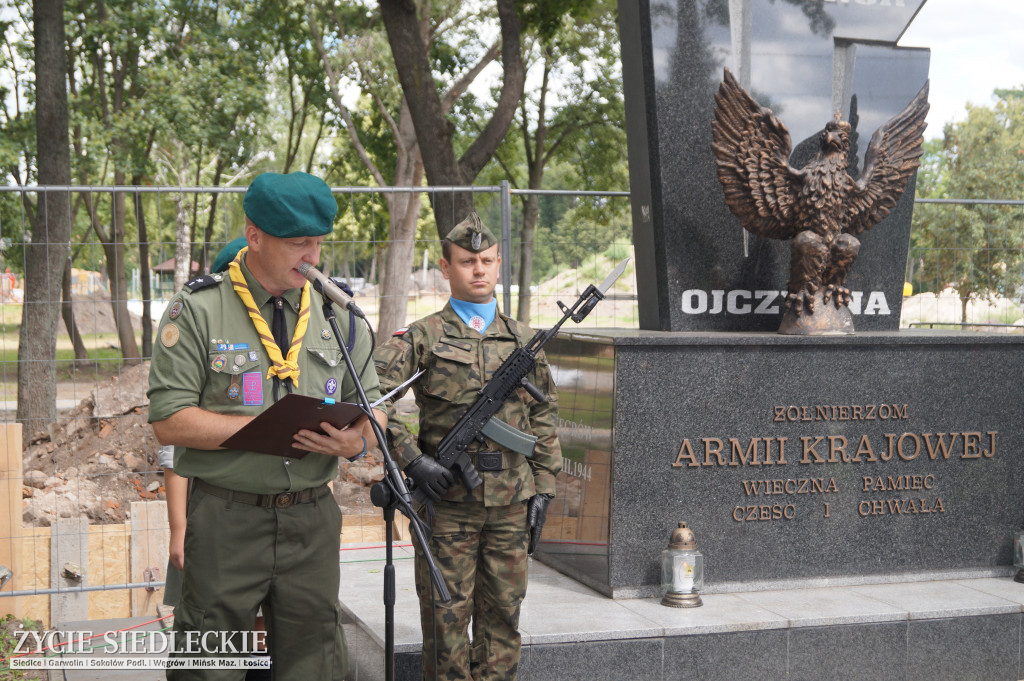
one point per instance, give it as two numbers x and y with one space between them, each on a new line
891 158
752 149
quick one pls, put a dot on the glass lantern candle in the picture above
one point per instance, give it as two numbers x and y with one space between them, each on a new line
682 570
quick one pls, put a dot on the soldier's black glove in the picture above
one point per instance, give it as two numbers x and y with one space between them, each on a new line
536 514
430 476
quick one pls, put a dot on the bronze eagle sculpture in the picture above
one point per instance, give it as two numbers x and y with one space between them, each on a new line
820 206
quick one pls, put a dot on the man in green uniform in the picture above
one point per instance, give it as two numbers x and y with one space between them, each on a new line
481 537
262 530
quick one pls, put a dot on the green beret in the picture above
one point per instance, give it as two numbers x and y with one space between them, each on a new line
472 234
227 254
292 205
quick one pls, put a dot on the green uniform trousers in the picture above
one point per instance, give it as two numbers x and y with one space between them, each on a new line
481 552
239 557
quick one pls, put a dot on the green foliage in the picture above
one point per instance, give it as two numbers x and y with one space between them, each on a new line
546 17
9 625
977 249
201 92
587 226
618 251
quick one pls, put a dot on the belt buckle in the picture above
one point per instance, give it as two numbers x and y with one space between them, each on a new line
284 500
489 461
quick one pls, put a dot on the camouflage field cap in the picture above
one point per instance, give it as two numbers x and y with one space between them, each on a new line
472 234
292 205
227 254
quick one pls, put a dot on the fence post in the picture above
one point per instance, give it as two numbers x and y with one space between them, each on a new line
148 553
506 247
10 512
69 546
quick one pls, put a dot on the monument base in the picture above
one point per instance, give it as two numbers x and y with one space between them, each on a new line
932 630
797 461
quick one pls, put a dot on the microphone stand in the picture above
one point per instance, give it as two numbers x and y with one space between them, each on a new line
394 493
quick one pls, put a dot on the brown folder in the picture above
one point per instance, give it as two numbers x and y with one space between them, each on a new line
272 431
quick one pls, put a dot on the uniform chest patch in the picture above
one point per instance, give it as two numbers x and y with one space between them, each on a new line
252 388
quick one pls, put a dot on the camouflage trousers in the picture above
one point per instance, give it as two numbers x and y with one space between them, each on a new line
481 552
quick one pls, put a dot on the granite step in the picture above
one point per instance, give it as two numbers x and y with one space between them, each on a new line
935 630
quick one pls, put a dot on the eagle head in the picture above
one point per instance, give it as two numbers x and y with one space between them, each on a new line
836 136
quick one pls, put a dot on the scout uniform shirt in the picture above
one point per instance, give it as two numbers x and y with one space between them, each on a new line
453 354
209 355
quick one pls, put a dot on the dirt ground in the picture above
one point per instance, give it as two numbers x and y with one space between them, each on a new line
94 315
96 460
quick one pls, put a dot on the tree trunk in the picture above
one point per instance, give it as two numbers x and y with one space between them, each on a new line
433 129
394 287
67 312
182 244
536 160
204 254
115 251
530 214
47 252
404 210
144 274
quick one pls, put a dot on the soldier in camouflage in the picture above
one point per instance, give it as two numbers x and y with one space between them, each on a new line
480 538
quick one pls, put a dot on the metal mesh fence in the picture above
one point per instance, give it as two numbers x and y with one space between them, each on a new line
83 502
965 268
84 509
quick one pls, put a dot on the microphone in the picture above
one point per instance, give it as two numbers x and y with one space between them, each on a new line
328 289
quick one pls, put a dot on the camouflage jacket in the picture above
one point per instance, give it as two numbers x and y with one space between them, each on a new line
458 361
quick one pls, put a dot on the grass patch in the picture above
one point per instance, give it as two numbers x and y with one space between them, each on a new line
9 626
104 354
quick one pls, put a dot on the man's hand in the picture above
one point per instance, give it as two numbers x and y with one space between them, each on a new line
536 514
347 443
430 476
176 549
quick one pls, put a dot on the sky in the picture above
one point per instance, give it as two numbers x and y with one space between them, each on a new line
977 46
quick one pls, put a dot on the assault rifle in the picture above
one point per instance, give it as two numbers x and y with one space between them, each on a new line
479 420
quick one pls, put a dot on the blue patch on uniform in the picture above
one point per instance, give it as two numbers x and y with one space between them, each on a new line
331 386
253 356
223 347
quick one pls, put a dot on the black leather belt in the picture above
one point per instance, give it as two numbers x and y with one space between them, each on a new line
282 500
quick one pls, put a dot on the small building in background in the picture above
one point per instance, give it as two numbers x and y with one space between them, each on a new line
165 278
